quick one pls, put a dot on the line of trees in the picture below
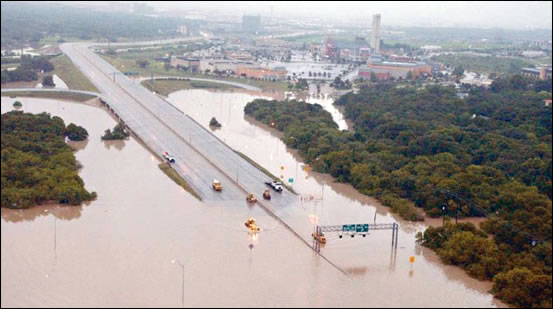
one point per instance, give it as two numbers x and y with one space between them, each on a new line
37 164
27 70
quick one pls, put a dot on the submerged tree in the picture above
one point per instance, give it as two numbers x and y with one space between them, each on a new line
214 123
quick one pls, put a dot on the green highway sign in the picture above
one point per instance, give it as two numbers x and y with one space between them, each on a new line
362 228
290 180
348 228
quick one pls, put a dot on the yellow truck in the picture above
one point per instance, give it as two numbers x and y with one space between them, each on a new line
267 194
250 223
250 198
320 237
217 185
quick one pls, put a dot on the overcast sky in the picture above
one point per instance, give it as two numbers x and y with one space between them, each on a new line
503 14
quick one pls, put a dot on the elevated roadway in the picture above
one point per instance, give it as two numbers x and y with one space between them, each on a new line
200 156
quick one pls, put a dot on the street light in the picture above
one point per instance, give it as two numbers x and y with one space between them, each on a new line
173 261
238 161
443 210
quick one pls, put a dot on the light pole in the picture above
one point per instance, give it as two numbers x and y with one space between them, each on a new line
238 161
443 210
182 266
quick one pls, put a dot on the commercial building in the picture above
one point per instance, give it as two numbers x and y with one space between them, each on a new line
222 65
183 29
375 33
385 70
192 64
251 24
431 48
277 73
541 73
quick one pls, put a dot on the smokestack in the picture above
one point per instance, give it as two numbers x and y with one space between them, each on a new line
375 33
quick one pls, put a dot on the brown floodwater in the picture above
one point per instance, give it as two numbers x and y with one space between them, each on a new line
118 250
386 274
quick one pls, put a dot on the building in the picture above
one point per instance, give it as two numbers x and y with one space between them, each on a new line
385 70
251 24
183 29
541 73
222 65
533 53
375 33
278 73
192 64
431 48
396 58
331 50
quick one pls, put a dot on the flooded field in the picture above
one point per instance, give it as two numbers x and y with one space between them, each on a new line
126 247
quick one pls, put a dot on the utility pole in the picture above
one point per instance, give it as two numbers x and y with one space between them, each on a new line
182 266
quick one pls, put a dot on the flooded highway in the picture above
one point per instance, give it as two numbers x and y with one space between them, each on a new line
126 247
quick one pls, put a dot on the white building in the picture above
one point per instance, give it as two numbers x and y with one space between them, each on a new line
375 33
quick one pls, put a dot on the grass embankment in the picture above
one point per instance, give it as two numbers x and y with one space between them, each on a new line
166 87
127 63
49 95
166 168
71 75
266 172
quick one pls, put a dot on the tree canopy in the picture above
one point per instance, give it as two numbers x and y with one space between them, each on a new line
37 165
486 155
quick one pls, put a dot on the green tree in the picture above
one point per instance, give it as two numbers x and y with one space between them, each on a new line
142 63
458 71
522 288
374 79
48 81
214 123
76 133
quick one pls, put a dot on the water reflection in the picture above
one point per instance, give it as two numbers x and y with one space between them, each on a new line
117 144
356 271
77 145
63 212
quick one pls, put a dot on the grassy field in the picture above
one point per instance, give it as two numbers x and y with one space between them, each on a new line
70 74
165 87
166 168
485 65
49 95
127 63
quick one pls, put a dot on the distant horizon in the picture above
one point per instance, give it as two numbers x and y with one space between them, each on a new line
511 15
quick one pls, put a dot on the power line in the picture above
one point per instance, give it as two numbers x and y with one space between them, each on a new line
535 238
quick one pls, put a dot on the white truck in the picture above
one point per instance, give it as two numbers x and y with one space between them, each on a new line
276 185
168 157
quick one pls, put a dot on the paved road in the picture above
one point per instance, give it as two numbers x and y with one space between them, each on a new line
200 156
